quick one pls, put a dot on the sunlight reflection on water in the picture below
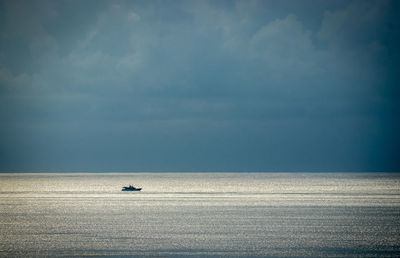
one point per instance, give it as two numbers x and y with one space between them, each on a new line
200 214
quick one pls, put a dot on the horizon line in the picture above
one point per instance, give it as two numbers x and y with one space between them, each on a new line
198 171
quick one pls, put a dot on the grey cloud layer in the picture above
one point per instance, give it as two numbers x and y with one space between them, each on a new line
199 85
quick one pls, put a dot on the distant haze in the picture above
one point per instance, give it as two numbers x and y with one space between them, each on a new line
199 85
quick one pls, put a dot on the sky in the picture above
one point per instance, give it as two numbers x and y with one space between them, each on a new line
199 85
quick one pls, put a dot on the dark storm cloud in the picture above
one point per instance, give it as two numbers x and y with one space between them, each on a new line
199 85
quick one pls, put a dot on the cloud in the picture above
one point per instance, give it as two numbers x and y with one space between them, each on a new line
285 48
244 79
133 16
359 23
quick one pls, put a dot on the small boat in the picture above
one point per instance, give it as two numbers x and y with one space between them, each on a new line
130 188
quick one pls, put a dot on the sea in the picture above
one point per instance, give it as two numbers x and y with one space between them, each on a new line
200 215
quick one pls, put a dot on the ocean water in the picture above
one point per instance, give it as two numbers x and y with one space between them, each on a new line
200 215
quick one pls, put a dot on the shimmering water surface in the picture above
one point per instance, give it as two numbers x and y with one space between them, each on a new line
200 214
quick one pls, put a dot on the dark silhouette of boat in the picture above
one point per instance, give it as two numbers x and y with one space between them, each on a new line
131 188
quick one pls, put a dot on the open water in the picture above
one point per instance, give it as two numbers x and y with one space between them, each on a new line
200 215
